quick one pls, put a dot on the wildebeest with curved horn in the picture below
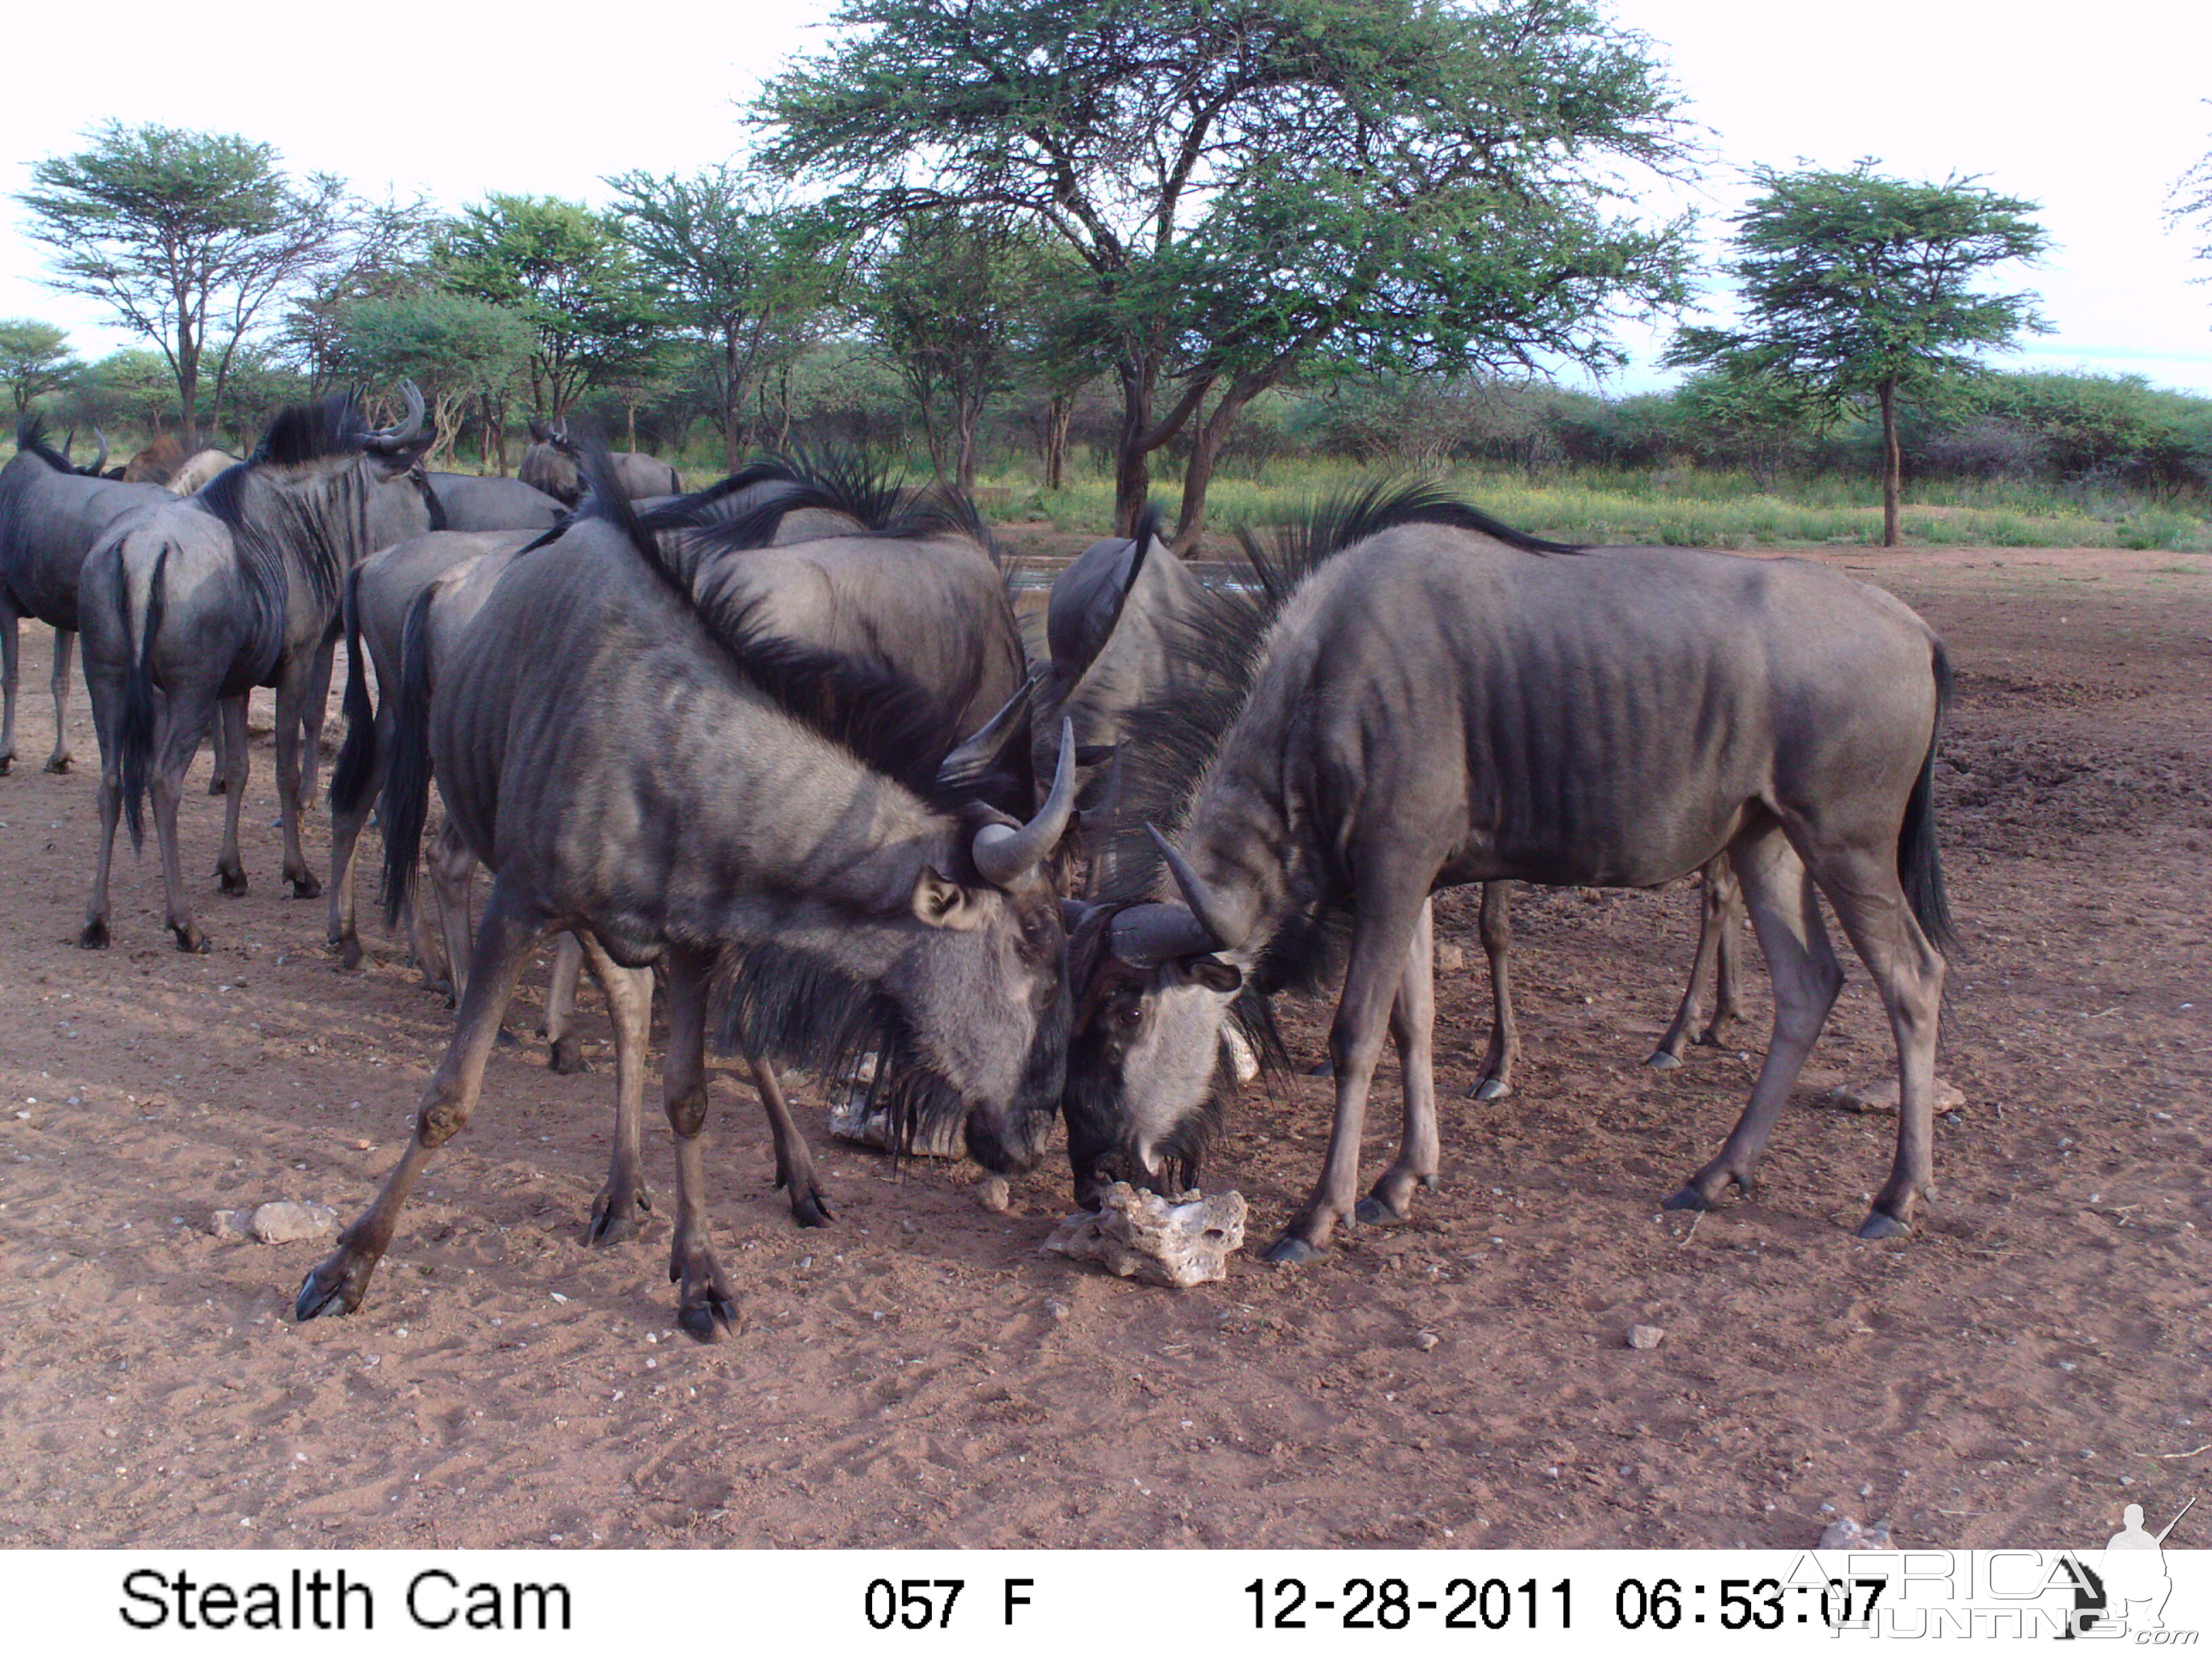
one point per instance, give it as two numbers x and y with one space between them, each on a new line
1127 617
1445 703
553 463
50 514
754 812
194 604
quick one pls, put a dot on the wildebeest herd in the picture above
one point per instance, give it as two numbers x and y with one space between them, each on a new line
773 751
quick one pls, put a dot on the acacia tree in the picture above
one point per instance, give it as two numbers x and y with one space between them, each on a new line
1860 288
459 350
564 270
2191 198
1251 183
35 359
186 235
742 268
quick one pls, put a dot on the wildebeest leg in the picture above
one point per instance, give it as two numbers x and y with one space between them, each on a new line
510 929
1495 1080
559 1028
453 884
292 690
107 719
65 640
345 837
313 711
705 1306
9 647
1412 1030
794 1158
1805 980
233 760
219 777
1862 887
629 1006
1714 917
1387 916
183 721
1725 900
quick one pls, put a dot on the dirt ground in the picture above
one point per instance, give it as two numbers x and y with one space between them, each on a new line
2030 1359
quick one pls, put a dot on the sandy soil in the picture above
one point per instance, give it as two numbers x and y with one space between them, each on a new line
2033 1357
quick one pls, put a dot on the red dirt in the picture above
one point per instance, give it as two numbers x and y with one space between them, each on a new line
2030 1359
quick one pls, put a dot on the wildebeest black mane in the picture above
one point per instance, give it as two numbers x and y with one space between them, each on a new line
31 440
311 432
869 708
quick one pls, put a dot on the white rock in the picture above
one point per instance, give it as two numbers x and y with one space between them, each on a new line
1182 1241
230 1224
852 1118
286 1222
1881 1097
1844 1533
1646 1337
994 1194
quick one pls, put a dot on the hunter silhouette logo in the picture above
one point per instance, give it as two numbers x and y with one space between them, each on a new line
2126 1591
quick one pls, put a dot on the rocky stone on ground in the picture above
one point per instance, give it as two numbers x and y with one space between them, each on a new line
1844 1533
1180 1241
285 1222
1646 1336
1881 1097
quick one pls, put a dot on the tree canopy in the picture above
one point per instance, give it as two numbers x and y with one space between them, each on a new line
186 235
1255 183
1858 288
35 359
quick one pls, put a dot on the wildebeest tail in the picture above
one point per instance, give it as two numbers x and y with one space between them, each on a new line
1918 869
357 758
404 806
136 738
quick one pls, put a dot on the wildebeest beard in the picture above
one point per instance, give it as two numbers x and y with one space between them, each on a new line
802 1009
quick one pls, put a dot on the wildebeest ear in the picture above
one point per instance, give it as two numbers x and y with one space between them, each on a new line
538 431
943 903
1095 754
1215 975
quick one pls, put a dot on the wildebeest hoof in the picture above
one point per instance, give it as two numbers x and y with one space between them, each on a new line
336 1287
1372 1211
614 1220
811 1207
1688 1198
94 938
192 941
1290 1251
1880 1223
7 764
218 785
568 1058
1663 1060
58 763
348 950
504 1038
1491 1089
1322 1068
707 1320
231 883
305 887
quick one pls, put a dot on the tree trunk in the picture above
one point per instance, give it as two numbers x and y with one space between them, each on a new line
1206 450
1058 414
188 387
1893 466
734 420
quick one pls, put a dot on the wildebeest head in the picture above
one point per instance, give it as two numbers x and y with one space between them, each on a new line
1154 984
550 464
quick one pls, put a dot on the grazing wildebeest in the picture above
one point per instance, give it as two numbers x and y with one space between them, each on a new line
1127 617
201 470
474 503
50 514
918 595
752 811
156 463
195 603
1444 702
552 463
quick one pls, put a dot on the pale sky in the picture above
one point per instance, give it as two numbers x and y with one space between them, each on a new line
2092 111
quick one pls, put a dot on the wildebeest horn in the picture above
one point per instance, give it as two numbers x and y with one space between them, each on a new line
1002 853
1228 931
408 430
1146 935
100 459
69 442
976 754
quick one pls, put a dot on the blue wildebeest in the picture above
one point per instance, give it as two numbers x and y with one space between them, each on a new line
1446 702
1127 617
190 606
919 595
200 471
658 770
553 463
474 503
50 514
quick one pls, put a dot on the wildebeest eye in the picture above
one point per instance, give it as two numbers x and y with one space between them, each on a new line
1129 1015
